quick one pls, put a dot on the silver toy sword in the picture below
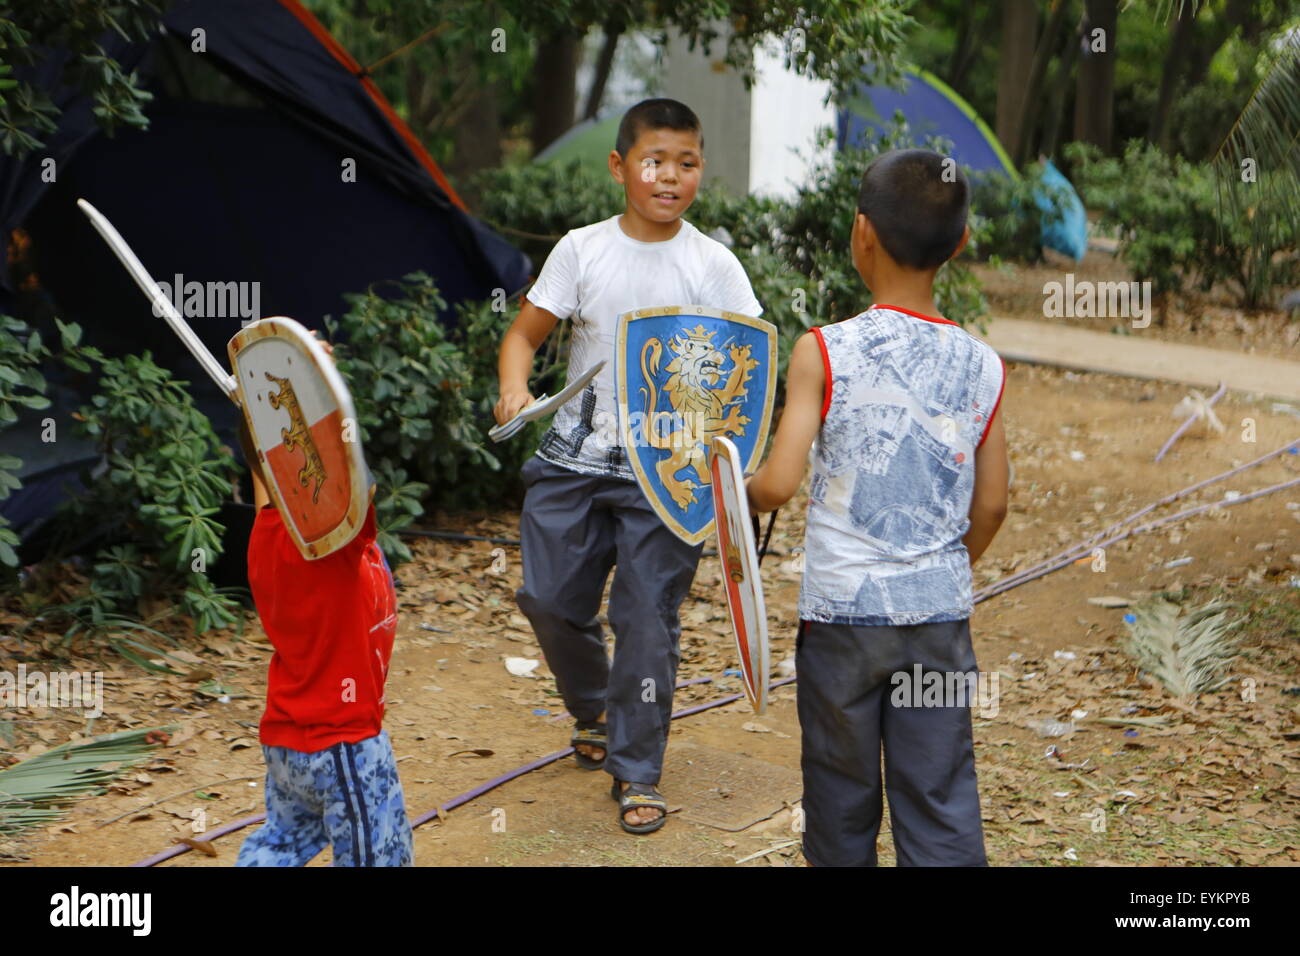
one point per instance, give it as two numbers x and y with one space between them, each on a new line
225 381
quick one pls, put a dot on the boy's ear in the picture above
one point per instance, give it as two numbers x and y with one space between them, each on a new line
965 237
863 236
616 166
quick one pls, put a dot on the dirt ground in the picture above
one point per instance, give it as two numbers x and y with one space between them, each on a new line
1209 783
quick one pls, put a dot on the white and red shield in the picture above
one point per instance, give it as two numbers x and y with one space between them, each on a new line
302 421
739 556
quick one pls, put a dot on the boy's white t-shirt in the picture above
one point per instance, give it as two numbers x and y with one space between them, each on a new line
594 275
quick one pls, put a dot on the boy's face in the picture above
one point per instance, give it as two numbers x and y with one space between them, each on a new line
661 172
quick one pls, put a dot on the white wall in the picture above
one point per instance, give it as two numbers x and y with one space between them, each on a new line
786 115
760 140
718 97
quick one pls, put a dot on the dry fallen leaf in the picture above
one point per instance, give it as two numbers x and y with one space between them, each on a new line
203 846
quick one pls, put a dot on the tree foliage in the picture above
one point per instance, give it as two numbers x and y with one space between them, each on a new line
154 502
23 359
30 31
468 46
1177 234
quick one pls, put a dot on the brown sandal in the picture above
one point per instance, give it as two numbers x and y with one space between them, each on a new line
639 795
590 735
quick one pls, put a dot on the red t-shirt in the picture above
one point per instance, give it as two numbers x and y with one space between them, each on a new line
332 623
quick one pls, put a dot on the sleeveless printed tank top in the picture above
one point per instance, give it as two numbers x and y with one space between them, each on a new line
909 399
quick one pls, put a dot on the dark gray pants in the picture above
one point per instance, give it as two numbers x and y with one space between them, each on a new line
847 695
572 530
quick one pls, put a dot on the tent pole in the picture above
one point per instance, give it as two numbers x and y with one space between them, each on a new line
366 70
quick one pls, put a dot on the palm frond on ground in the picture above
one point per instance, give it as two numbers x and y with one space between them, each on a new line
1187 651
34 792
133 639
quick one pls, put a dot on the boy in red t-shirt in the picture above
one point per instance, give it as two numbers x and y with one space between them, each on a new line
330 773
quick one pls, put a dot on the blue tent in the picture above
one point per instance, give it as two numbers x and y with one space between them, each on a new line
932 108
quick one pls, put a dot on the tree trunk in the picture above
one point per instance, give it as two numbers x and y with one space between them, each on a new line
1015 58
555 76
1029 106
477 139
1060 85
1205 45
965 40
604 63
1094 98
1180 36
975 34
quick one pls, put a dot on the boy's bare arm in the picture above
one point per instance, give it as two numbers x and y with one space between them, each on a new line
515 363
261 497
777 480
988 506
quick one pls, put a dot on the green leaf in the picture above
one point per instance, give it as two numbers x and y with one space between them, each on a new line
70 333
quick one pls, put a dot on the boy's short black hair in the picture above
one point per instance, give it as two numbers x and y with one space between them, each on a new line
917 201
656 114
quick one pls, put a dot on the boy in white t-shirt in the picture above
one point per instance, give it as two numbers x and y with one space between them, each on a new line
583 512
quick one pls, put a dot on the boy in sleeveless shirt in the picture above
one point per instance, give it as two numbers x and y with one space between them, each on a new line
909 486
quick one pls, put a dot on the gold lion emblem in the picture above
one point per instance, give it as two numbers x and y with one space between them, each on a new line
298 434
701 409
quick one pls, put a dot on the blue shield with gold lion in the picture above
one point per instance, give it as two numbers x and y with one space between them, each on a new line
686 375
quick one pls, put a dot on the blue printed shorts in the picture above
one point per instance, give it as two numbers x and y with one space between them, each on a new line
348 795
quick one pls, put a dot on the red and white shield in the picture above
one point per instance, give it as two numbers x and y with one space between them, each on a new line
739 556
302 421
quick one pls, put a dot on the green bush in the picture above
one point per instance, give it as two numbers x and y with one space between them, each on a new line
1007 219
536 204
1176 233
148 507
424 391
1157 202
165 476
424 386
22 384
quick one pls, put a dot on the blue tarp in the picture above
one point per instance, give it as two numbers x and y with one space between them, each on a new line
1065 222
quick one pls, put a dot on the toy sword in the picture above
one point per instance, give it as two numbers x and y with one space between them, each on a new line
225 381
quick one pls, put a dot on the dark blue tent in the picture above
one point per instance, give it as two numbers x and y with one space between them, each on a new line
239 178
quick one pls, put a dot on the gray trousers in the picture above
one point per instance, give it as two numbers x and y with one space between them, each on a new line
572 530
848 698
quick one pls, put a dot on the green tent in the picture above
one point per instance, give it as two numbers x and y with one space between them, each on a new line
590 142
